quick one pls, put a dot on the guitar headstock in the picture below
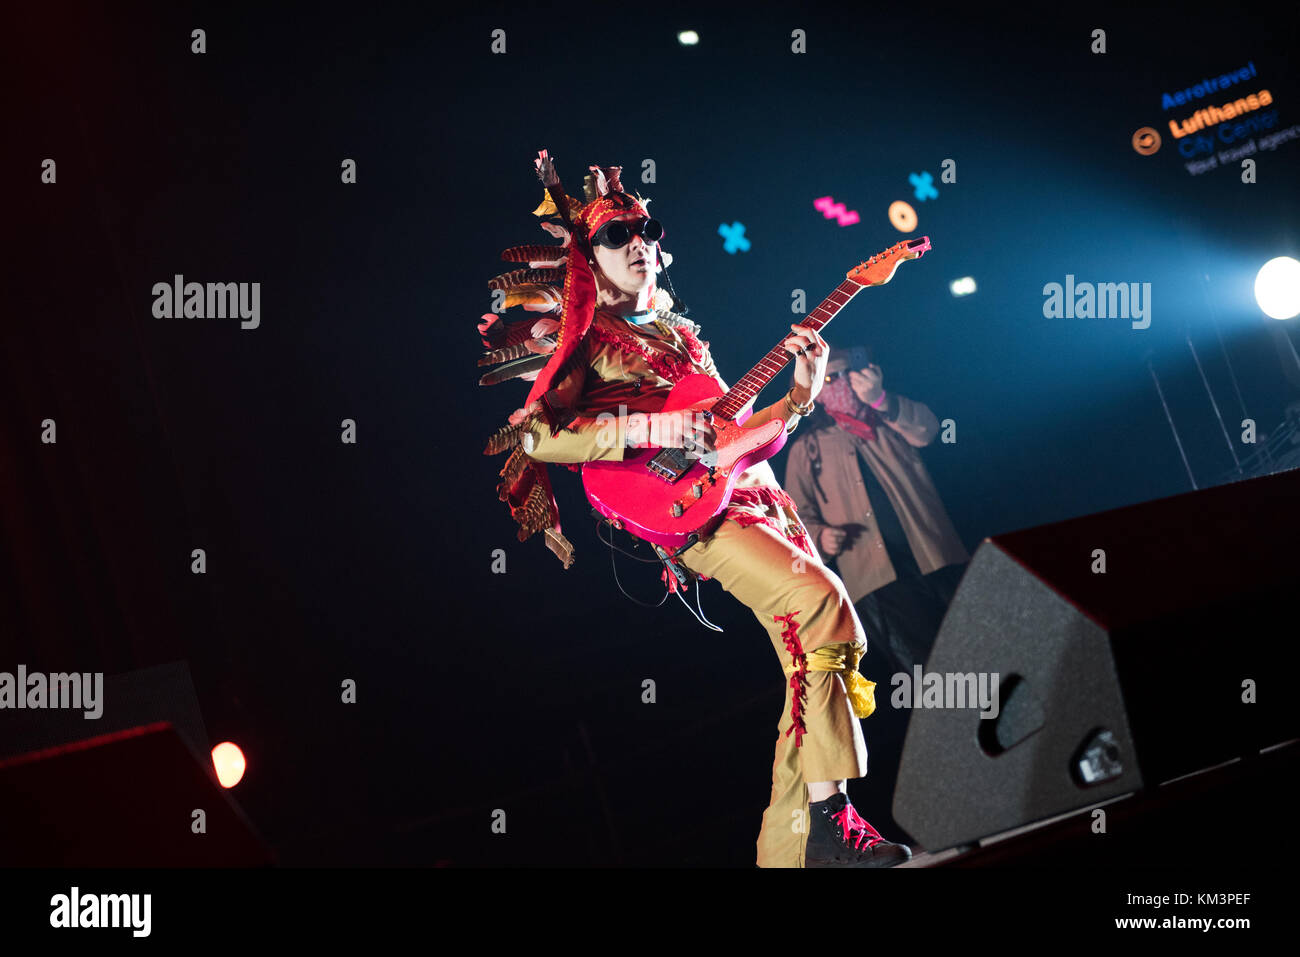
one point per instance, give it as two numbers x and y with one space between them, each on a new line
879 269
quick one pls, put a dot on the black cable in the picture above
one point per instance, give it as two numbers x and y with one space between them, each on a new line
611 544
679 307
697 612
614 568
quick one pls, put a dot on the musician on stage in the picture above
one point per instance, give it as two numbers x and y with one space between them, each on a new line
618 353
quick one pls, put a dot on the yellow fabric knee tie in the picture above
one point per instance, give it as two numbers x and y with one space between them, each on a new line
843 659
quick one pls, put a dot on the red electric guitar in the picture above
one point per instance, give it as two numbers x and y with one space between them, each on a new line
661 495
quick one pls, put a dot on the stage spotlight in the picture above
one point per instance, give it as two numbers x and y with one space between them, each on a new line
963 286
688 38
1277 288
229 762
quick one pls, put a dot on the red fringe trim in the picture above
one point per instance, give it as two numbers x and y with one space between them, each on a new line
792 644
693 345
764 496
666 365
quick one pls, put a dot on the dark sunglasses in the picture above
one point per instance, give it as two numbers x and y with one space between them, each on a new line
617 233
832 376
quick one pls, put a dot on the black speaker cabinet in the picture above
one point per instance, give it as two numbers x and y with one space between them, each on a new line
1131 648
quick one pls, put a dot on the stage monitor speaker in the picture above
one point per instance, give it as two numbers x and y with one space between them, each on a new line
125 799
1131 647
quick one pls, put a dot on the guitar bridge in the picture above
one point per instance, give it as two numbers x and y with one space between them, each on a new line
670 464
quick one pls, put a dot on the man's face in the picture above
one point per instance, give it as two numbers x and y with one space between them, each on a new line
630 268
862 381
835 367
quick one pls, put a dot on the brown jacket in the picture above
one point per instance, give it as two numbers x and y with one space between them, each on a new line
839 495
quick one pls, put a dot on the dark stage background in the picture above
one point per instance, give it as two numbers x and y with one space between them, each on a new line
522 691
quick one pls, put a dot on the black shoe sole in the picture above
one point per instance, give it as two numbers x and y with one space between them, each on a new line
889 856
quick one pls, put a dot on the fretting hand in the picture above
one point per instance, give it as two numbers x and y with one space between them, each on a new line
811 354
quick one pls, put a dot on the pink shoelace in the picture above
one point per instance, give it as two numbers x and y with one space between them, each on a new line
851 823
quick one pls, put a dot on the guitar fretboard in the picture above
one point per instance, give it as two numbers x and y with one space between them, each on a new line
753 381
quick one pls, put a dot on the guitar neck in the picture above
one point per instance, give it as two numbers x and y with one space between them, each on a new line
753 381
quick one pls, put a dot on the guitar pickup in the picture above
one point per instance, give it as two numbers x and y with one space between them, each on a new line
670 464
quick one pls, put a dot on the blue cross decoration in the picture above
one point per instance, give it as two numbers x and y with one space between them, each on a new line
924 186
734 236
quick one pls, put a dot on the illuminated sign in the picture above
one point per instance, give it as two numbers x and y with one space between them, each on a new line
1210 115
734 236
902 215
837 211
1146 141
1224 134
1206 87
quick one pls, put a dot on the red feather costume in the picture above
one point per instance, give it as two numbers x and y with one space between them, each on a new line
541 349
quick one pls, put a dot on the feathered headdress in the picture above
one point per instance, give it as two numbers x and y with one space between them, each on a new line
557 284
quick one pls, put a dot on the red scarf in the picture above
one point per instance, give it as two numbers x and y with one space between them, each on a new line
851 413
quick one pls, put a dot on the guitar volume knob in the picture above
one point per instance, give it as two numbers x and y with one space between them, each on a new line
677 509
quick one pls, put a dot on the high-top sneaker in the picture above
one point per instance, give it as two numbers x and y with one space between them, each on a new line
838 837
